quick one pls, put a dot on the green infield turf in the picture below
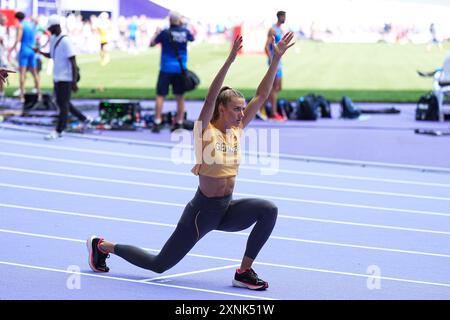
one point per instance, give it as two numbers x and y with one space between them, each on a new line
365 72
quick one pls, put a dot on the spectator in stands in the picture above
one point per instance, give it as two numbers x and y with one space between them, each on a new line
104 30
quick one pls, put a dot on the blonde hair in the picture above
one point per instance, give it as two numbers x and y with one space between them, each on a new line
225 96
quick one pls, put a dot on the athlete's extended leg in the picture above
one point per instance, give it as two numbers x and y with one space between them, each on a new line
200 216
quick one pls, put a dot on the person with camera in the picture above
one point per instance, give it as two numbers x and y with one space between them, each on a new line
173 43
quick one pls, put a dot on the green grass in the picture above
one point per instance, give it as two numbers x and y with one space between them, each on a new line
365 72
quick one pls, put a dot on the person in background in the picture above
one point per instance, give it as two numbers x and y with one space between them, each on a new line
276 33
3 60
170 71
65 74
26 37
104 30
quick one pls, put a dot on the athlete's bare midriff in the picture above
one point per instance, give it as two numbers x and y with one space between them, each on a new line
216 187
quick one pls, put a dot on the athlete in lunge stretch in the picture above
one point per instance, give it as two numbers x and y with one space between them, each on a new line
218 130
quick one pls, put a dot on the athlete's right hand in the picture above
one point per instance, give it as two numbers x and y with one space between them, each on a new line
237 46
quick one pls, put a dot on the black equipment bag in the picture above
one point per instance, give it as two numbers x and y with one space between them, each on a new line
427 108
349 110
191 80
324 105
307 108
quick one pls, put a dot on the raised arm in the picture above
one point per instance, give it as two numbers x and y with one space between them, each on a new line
263 90
153 40
210 100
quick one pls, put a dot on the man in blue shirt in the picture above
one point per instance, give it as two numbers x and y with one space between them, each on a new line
170 72
26 36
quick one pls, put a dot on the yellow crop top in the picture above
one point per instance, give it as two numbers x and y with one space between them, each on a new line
218 155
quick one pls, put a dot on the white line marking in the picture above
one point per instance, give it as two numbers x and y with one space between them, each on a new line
92 195
356 224
237 260
85 215
132 280
165 186
99 165
173 187
190 273
338 244
168 159
95 195
250 153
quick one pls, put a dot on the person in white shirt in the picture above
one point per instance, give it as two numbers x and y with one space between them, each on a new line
65 75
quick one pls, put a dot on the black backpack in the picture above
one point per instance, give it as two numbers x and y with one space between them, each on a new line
348 109
285 108
307 108
427 108
324 105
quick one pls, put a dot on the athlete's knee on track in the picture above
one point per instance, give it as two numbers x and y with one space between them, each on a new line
160 269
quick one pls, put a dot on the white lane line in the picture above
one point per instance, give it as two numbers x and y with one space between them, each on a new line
286 184
168 159
328 160
276 265
97 164
173 187
337 244
131 280
357 224
190 273
103 217
92 195
340 204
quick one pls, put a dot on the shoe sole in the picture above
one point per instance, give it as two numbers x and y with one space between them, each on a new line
240 284
91 256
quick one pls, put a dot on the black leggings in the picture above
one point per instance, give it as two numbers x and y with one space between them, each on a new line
202 215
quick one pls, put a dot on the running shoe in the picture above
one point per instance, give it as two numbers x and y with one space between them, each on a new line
97 258
277 117
53 135
156 128
249 279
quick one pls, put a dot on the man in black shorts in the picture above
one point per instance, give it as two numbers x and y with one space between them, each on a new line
170 71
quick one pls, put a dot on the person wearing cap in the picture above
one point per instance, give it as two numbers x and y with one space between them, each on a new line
26 37
65 75
170 72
